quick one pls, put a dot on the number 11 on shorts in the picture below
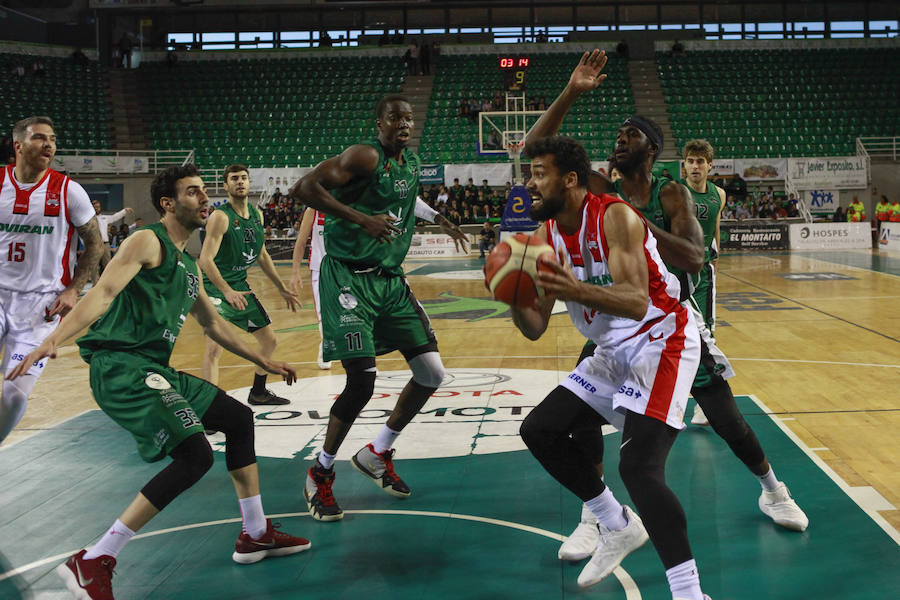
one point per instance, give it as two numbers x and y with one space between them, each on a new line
354 340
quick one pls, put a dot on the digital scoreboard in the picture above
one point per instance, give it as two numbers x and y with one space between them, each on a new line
514 69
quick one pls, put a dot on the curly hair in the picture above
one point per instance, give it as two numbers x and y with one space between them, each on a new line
568 155
163 185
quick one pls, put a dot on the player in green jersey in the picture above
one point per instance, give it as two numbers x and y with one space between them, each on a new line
136 311
235 241
368 193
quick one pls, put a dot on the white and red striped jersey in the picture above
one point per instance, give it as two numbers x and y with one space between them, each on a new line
587 251
317 241
38 236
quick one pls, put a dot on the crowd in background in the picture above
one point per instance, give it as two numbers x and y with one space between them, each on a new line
465 204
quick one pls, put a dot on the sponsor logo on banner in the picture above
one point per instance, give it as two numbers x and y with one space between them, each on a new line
813 236
842 172
822 201
515 215
431 174
475 411
889 236
754 237
101 164
281 177
815 276
433 245
760 169
720 167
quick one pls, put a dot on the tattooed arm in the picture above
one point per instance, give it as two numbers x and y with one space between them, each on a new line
93 248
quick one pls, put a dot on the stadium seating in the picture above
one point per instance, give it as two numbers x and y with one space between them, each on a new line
265 112
450 138
762 103
72 95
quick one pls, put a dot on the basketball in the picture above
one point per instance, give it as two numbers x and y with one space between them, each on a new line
511 269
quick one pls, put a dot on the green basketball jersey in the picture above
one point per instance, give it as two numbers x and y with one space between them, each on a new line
146 317
390 189
654 213
709 205
240 247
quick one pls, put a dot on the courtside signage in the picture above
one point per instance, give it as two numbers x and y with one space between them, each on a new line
814 236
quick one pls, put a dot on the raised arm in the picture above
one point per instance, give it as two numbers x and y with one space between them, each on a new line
137 251
354 162
586 76
628 296
683 247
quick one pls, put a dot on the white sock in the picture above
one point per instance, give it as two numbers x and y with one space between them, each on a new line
325 459
112 542
768 481
608 511
684 581
253 517
385 439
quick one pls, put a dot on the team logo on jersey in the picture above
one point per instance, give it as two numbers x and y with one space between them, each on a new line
593 246
398 221
347 300
249 257
193 285
155 381
52 198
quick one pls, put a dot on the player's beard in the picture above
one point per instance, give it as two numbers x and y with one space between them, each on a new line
546 208
630 164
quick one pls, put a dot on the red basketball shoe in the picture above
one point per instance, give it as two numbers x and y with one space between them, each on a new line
88 579
272 543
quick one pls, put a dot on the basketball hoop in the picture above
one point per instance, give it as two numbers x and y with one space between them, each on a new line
514 149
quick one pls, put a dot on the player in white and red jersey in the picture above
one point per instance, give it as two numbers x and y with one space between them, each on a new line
40 212
618 293
312 229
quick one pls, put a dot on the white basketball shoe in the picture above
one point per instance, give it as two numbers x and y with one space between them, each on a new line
614 546
582 542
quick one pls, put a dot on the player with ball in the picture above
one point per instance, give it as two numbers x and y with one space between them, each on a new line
620 295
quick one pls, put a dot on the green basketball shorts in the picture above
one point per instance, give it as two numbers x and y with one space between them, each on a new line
158 405
252 318
368 313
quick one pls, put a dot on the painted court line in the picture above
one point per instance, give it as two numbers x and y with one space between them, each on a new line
628 585
847 489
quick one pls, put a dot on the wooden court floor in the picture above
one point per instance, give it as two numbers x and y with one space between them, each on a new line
814 336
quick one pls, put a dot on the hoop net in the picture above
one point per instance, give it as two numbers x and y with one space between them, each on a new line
514 149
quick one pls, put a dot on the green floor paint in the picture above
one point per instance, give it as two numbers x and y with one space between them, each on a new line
61 489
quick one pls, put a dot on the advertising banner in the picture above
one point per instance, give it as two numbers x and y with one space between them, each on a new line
889 236
721 167
761 169
280 248
432 245
841 173
429 174
496 174
101 164
515 216
282 178
821 201
754 237
815 236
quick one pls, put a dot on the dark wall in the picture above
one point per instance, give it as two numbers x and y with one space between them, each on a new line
17 27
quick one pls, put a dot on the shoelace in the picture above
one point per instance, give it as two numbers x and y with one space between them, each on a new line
388 457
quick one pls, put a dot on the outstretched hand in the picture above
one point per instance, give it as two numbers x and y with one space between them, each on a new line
47 348
460 240
587 75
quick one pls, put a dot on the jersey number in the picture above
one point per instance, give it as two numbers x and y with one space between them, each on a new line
354 340
188 417
16 252
702 211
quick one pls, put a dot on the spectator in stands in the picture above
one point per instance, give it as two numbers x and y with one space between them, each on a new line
171 58
293 230
839 215
268 232
541 103
622 49
442 196
666 174
18 70
79 58
770 194
764 210
463 110
454 217
677 48
738 187
125 47
103 221
485 189
139 222
883 210
793 209
456 189
413 66
728 212
38 69
325 40
856 212
467 216
408 61
470 189
487 238
742 212
895 211
112 234
276 197
474 109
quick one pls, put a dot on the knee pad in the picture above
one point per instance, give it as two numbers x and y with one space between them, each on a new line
427 369
358 389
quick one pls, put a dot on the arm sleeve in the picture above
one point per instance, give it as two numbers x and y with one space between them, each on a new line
423 211
79 207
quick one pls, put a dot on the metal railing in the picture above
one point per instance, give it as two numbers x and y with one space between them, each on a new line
157 160
878 147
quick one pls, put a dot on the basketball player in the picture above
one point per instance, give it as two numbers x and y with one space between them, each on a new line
135 313
40 210
312 225
670 211
368 193
620 295
235 242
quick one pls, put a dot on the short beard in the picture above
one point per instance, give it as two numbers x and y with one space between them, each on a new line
543 210
630 166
